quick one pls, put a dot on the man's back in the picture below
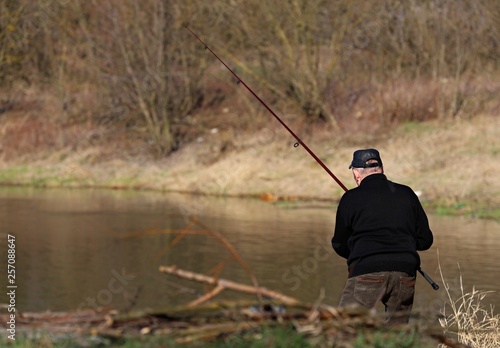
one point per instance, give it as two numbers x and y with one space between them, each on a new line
380 225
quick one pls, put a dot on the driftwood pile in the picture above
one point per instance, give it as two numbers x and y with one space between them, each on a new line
198 322
201 321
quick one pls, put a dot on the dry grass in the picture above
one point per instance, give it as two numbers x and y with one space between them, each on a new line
465 316
449 162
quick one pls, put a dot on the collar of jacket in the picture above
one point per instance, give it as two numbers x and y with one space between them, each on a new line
373 177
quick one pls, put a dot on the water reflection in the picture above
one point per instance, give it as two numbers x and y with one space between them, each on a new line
73 250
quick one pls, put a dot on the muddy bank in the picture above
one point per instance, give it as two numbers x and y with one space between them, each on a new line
449 164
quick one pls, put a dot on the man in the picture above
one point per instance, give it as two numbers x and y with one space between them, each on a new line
379 227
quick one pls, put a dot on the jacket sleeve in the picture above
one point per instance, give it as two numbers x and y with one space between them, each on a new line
341 232
424 233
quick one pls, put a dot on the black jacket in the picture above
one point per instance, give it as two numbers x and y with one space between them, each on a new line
380 225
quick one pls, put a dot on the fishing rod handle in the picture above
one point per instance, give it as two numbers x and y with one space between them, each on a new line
434 285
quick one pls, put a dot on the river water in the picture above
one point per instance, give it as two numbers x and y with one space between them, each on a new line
80 248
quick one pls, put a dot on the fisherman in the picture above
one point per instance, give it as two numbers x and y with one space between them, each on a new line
379 227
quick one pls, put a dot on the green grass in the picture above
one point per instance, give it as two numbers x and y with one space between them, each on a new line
416 127
12 174
279 337
283 336
68 341
472 209
388 339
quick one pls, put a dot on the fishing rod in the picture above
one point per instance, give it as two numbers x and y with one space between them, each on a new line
299 141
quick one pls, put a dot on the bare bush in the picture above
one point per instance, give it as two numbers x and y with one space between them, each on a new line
147 65
331 61
30 44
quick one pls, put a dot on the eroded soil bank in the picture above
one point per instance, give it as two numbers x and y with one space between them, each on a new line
451 165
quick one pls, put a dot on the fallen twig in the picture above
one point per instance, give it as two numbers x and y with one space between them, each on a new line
222 284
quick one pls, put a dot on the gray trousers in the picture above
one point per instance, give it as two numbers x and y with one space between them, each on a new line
394 289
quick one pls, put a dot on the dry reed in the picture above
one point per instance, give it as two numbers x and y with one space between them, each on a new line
466 316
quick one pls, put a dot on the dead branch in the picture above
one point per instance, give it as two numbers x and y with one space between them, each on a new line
448 342
205 231
219 288
226 284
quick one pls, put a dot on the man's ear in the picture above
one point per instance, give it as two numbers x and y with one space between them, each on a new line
357 176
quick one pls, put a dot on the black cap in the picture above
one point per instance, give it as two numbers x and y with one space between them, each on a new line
360 157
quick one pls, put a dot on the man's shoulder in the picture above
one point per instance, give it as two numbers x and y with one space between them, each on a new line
349 195
404 188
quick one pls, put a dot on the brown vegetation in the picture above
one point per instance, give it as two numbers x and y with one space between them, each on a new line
119 94
465 316
129 71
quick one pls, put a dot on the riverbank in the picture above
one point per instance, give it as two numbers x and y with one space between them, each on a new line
450 164
226 324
